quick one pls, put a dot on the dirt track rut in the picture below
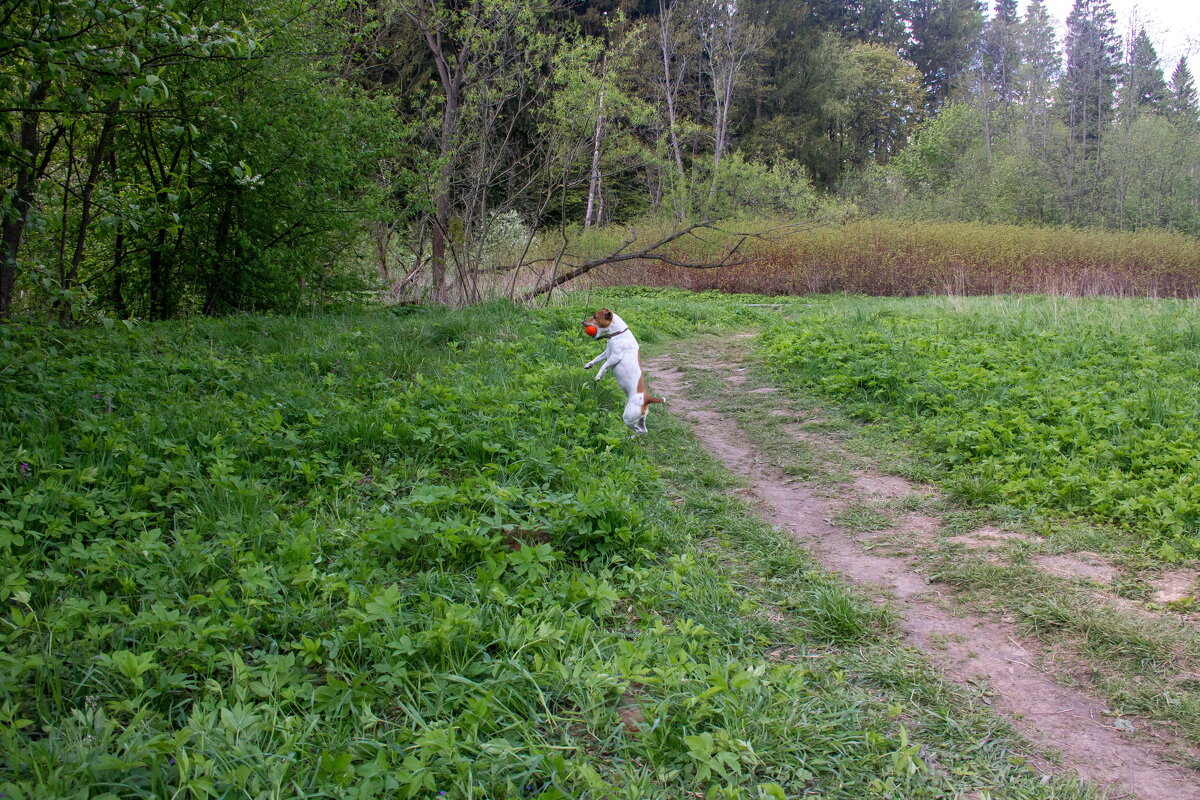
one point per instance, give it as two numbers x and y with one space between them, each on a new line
968 650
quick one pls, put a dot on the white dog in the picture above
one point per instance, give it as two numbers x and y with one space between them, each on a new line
622 356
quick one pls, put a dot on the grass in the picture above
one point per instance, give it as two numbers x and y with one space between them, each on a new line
1144 663
902 258
414 553
1083 408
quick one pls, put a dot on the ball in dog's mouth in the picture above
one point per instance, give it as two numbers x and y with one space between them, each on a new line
590 330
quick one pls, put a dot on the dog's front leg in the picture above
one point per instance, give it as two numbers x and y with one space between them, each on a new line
612 362
596 360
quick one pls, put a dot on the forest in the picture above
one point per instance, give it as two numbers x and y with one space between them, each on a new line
184 157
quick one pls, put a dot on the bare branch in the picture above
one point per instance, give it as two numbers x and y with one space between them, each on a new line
645 254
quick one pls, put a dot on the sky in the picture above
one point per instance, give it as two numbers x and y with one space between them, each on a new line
1173 25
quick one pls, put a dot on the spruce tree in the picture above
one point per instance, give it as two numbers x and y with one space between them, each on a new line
1001 49
1038 73
1040 60
1183 105
943 36
1145 88
1093 64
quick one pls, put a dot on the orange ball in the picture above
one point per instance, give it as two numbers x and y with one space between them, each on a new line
590 330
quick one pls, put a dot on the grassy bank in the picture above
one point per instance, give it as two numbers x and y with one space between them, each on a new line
407 555
1077 407
900 258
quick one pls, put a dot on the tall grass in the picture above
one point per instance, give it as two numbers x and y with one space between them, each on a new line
887 257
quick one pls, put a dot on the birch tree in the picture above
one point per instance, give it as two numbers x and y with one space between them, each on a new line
731 43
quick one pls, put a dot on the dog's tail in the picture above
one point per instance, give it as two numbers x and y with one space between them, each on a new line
650 399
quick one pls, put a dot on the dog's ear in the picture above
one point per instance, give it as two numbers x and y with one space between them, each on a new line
604 313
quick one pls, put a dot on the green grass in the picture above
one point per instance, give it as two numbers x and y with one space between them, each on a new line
1142 663
394 555
1082 408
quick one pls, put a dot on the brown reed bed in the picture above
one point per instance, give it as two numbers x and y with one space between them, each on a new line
898 258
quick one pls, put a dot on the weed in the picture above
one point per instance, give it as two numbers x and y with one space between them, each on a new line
396 555
1040 405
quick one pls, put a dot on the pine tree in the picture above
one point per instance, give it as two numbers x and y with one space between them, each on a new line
1183 105
1093 64
1145 89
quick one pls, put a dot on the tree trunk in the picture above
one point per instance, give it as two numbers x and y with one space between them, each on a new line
159 277
665 41
99 155
22 199
594 182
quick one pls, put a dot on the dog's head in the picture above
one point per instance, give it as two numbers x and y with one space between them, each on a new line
600 321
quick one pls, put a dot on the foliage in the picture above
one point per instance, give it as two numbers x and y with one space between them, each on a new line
1037 144
1080 407
177 157
398 555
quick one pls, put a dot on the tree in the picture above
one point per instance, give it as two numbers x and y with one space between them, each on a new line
180 159
490 58
1038 74
882 104
1002 49
1092 67
731 42
76 72
878 21
1087 99
1183 105
943 35
1144 90
676 56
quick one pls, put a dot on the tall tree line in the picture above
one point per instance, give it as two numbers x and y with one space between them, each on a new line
1086 131
185 157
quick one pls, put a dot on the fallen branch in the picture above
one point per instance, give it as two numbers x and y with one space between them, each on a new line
647 254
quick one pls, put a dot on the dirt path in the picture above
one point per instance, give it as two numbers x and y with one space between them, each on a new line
969 650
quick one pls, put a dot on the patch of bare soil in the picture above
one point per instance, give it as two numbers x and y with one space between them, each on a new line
987 536
882 487
802 434
1175 585
923 526
1087 565
967 649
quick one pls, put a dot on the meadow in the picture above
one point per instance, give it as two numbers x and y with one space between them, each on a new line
414 554
1080 408
892 257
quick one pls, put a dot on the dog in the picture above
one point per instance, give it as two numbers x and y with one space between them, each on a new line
622 355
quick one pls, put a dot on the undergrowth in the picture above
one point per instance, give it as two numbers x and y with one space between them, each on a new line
890 257
395 555
1078 407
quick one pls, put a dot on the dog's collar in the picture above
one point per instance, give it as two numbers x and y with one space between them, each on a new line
611 335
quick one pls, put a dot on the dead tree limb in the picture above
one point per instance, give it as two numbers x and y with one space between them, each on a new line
646 254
